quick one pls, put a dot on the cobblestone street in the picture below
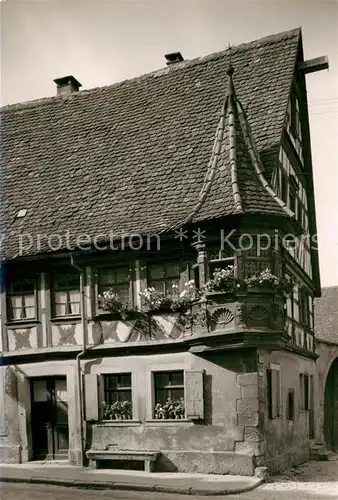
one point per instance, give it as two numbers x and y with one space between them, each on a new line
313 481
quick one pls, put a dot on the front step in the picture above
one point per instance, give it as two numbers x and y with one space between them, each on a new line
320 453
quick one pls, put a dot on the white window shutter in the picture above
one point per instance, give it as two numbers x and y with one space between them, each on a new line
193 393
91 397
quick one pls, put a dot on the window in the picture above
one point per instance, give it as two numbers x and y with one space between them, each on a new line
163 276
290 407
168 385
117 396
284 186
21 299
273 392
304 391
293 193
117 279
220 259
66 294
304 307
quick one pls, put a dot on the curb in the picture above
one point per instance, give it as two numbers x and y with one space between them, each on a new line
73 483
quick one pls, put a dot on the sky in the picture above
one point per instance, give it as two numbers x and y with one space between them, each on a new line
102 42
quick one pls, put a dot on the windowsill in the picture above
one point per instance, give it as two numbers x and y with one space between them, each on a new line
17 322
66 319
168 421
119 423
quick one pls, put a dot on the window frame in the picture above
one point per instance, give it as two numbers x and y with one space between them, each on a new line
67 289
117 390
269 392
116 267
304 389
290 405
170 387
164 263
10 294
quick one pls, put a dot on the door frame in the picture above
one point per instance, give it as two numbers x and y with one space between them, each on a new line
50 428
45 369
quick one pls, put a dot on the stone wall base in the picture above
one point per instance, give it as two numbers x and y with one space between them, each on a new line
74 457
205 462
10 454
291 458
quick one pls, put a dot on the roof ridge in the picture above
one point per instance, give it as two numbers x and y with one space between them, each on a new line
277 37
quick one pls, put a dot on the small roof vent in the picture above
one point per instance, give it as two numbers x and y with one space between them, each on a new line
67 85
174 57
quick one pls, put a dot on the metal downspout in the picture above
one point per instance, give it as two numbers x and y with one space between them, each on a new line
78 359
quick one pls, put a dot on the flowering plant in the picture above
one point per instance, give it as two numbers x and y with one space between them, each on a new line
267 278
173 409
176 301
154 300
222 280
109 301
120 410
181 301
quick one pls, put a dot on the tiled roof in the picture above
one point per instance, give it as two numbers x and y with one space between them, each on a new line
133 157
326 315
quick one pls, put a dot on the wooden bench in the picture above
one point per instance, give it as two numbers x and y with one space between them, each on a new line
149 457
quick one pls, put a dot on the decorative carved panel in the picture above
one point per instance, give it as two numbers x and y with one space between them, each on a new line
221 318
258 316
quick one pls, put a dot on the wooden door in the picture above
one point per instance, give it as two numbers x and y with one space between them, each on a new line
50 418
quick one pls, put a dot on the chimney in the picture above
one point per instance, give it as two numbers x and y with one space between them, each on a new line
67 85
174 57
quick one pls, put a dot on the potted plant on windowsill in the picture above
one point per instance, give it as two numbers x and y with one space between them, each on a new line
223 281
119 410
175 301
110 302
267 282
170 410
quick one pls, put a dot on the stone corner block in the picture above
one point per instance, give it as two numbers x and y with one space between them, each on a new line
247 378
262 473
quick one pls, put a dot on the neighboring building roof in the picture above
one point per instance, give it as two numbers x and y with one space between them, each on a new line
326 315
133 157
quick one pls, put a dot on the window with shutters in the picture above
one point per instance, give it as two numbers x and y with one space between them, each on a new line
169 395
178 394
21 299
65 294
273 392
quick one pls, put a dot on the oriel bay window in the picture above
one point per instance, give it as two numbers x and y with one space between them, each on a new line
65 294
21 299
163 276
117 279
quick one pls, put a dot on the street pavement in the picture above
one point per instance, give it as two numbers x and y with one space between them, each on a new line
313 481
